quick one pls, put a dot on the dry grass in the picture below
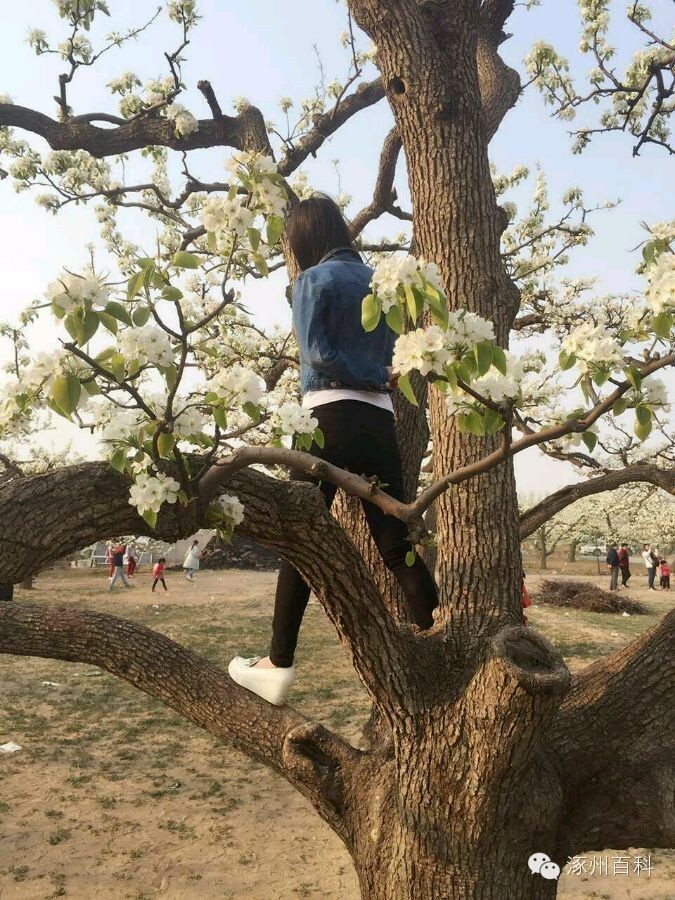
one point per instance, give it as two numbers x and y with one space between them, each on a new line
587 596
114 796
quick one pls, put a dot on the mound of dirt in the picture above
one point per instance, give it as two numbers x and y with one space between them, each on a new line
242 553
589 597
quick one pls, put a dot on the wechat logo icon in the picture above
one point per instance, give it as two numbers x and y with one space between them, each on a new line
540 864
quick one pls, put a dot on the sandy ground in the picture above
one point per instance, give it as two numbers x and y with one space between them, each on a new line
114 796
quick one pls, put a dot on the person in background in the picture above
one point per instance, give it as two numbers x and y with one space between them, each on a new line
649 565
131 559
624 564
108 558
158 574
613 563
117 557
191 561
664 572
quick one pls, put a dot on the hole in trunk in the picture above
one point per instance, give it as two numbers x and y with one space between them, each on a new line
397 86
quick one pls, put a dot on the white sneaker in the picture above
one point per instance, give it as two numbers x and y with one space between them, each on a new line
272 685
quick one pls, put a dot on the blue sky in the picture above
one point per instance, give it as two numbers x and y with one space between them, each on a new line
251 50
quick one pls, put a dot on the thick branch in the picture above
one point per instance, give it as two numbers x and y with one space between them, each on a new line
534 518
186 682
614 742
383 193
245 131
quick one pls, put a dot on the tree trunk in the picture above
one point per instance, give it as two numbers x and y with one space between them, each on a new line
572 551
27 583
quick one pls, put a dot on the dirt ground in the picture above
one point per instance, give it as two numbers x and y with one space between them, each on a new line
114 796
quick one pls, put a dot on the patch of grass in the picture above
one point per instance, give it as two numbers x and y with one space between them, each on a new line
60 835
19 873
53 813
180 828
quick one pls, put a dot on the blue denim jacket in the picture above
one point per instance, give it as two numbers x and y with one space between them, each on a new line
335 351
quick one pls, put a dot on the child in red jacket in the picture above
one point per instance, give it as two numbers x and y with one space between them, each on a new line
664 574
158 573
527 600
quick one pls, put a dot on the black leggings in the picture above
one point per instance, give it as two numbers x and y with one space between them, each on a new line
154 584
359 437
625 575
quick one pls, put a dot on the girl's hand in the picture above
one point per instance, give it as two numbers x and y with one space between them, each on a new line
393 377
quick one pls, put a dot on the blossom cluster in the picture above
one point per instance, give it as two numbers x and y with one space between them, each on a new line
230 510
150 491
147 344
392 273
237 383
661 288
291 418
592 348
70 290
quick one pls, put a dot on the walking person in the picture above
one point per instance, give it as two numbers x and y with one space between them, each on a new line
191 561
624 564
131 559
108 558
346 379
649 565
664 573
613 563
117 561
158 574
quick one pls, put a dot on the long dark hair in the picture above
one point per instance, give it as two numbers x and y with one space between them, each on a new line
315 227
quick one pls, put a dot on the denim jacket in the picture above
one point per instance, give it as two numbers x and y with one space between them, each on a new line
335 351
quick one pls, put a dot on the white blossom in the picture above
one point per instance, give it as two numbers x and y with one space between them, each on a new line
423 349
291 418
238 383
231 509
661 289
593 346
184 122
69 291
149 492
148 344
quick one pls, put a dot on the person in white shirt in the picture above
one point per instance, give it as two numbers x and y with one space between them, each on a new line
191 561
648 558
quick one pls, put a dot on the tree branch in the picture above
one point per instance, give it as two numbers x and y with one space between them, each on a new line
384 194
188 683
534 518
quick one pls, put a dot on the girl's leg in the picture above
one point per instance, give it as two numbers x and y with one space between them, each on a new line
164 584
154 584
290 601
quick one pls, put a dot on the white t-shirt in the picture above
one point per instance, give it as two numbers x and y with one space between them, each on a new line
191 560
646 555
313 399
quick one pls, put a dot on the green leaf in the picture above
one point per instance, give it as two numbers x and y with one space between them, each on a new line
371 310
662 325
252 411
212 242
483 355
566 360
590 440
117 365
149 276
171 293
65 393
600 377
643 431
105 355
91 388
58 311
643 414
410 558
493 421
414 309
499 359
170 374
261 264
394 319
319 439
88 326
475 423
71 327
134 284
649 253
145 262
633 377
165 443
109 322
405 388
141 315
275 228
220 417
118 311
253 238
462 372
119 459
150 517
620 406
451 375
184 260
